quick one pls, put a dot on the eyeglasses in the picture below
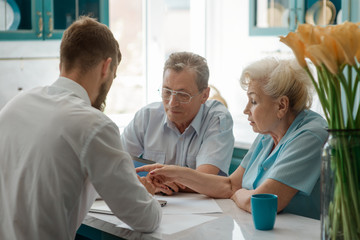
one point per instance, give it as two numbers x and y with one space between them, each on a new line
181 97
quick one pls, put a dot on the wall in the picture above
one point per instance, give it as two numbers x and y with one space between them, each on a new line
26 64
229 50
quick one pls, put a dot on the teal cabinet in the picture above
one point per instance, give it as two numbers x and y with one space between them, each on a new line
237 156
279 17
46 19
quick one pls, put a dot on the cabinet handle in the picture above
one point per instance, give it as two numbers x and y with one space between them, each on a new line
51 25
40 25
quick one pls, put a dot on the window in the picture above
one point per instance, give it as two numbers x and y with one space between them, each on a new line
126 22
148 31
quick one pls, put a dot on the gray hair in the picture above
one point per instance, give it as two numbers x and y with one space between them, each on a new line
180 61
281 77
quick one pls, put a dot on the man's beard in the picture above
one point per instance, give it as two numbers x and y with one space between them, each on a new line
100 101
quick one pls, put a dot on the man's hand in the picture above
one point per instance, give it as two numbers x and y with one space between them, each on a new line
169 188
163 183
148 185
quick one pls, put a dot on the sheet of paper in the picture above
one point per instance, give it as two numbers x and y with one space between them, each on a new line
176 223
180 203
179 214
189 203
99 206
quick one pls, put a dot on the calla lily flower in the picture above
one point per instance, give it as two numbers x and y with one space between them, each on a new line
293 41
334 50
347 35
320 54
309 34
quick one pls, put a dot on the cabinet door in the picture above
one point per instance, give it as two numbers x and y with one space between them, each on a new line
272 17
46 19
59 14
324 12
20 19
278 17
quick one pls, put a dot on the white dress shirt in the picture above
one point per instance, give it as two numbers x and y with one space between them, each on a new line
56 150
208 139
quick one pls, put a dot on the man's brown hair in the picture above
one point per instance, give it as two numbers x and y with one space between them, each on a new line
86 43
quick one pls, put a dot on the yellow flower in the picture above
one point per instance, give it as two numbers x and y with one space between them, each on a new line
334 49
357 55
309 34
320 54
347 35
332 46
293 41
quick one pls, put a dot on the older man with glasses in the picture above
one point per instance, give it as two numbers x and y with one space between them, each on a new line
186 128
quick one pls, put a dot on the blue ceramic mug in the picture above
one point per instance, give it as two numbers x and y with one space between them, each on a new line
264 210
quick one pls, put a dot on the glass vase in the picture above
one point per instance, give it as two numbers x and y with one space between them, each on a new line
340 186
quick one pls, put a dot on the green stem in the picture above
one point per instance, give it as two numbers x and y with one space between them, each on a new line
335 88
321 94
355 94
349 105
344 211
335 108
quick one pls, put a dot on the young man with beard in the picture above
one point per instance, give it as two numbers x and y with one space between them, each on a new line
57 147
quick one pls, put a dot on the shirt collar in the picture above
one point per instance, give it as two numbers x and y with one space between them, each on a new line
74 87
292 128
294 125
195 123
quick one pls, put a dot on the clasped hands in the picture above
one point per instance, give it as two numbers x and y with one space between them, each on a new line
160 179
166 179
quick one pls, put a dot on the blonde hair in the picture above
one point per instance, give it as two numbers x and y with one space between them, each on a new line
281 77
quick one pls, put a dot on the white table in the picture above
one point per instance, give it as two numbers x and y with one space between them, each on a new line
233 223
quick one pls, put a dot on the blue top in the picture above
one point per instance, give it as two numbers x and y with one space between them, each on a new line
207 140
296 162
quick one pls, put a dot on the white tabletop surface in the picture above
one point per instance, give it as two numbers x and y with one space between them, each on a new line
233 223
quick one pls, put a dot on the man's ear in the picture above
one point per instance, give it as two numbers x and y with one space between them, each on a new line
106 67
283 106
205 95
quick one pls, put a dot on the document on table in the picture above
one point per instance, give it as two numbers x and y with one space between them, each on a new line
180 203
99 206
174 223
189 203
179 214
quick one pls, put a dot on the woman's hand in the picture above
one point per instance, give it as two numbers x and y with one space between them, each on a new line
149 167
163 173
242 198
